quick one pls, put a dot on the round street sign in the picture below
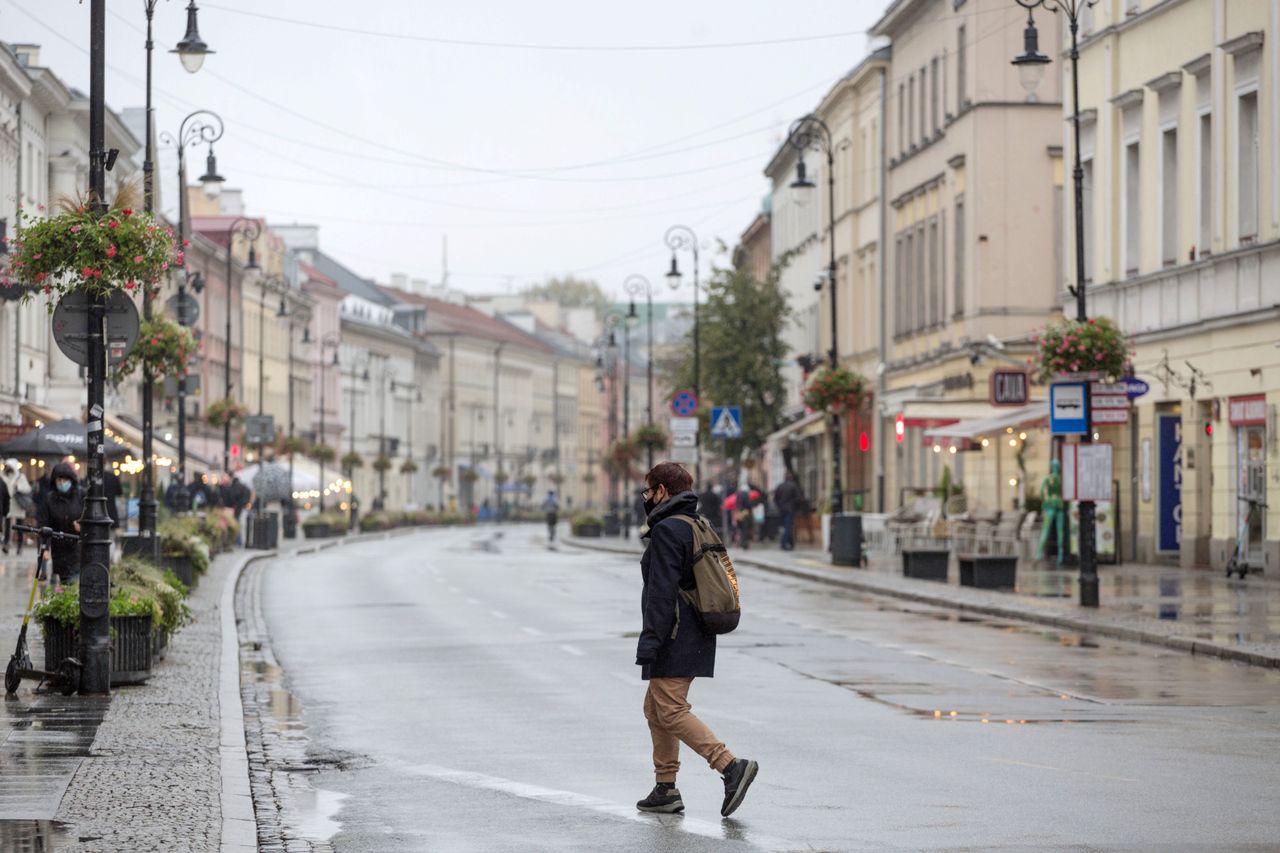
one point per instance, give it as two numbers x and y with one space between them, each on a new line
683 404
1135 388
185 308
70 326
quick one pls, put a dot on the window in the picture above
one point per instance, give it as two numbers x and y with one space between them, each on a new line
908 283
1086 202
922 280
924 107
911 111
1169 196
933 96
1204 187
899 276
902 116
959 257
962 96
1247 174
1132 209
935 274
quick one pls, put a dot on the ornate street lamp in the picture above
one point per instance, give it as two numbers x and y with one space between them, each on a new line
199 126
192 49
251 231
636 284
808 133
328 341
1030 65
682 238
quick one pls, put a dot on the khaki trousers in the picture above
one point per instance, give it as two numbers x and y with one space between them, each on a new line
666 707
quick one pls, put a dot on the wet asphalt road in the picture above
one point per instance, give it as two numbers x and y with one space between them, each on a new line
485 694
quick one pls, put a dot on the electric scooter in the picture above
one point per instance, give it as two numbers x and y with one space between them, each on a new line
1239 562
67 677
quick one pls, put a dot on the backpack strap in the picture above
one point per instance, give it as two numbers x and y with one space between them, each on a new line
701 523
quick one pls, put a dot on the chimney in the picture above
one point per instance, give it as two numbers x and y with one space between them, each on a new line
419 286
28 55
399 281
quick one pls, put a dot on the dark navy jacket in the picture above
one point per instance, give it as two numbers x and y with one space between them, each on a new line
672 642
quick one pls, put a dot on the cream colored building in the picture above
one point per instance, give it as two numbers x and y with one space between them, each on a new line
975 202
1180 138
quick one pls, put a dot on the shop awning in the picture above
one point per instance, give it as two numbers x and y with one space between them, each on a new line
931 414
814 423
996 420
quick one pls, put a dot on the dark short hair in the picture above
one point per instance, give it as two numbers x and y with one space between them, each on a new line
669 474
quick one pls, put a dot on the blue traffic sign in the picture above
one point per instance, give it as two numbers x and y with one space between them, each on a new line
1135 388
1069 408
684 404
726 422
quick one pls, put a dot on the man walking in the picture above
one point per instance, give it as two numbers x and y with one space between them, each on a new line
551 506
674 649
787 498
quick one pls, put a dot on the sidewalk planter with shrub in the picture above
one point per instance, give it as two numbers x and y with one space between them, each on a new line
587 526
131 633
324 525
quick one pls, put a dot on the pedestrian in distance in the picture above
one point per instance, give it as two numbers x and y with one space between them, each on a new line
551 506
709 507
61 509
788 498
21 504
675 647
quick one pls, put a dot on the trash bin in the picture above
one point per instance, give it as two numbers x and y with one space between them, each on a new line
264 530
846 539
290 525
612 524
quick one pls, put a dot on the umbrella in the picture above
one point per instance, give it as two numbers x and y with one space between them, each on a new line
272 481
61 438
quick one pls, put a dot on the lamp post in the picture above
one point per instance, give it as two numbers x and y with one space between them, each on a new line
626 321
1031 66
351 434
286 314
415 396
678 238
635 285
250 232
326 342
497 425
806 133
191 52
387 375
199 126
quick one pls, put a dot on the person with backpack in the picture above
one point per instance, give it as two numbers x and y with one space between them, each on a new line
551 506
690 594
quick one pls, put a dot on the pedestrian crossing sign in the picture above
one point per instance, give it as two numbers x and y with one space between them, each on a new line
726 422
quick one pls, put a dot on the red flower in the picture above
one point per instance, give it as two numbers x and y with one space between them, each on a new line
128 211
113 225
155 341
182 258
186 244
111 251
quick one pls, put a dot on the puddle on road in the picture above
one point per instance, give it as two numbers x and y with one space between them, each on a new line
306 813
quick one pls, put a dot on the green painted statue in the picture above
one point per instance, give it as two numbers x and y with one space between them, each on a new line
1054 510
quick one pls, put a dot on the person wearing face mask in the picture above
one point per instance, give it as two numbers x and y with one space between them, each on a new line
60 508
674 648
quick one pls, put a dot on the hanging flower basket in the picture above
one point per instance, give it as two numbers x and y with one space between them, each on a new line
621 457
75 250
589 478
382 463
163 346
440 472
501 478
528 480
837 390
351 461
292 445
1073 346
408 467
469 475
650 437
225 411
557 479
322 453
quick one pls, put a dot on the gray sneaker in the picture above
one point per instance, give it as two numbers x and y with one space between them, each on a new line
662 799
738 777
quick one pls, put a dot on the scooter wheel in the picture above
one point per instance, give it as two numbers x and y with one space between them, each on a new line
68 676
11 677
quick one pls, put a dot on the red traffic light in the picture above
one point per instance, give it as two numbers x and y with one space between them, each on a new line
900 428
864 441
1208 428
235 451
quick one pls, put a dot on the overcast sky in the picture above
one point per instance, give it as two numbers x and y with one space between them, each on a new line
534 161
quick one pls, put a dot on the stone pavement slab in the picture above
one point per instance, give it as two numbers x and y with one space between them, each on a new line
1237 619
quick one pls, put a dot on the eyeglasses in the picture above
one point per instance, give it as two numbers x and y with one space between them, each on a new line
649 492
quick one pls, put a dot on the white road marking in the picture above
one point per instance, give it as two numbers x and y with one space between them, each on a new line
691 825
715 712
473 601
532 632
498 614
573 650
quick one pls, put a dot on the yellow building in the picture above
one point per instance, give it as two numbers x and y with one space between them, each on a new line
1180 142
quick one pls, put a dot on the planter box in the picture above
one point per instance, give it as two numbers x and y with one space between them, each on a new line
846 539
988 571
928 564
589 531
612 524
316 531
180 566
131 647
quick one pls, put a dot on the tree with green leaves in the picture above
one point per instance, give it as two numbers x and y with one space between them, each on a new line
570 292
742 323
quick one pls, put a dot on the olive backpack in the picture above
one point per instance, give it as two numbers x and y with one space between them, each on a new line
714 598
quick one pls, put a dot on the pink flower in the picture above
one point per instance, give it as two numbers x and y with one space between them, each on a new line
37 256
75 229
111 251
113 225
165 265
186 244
182 258
137 259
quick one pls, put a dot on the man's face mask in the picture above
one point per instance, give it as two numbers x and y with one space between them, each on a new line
64 486
651 499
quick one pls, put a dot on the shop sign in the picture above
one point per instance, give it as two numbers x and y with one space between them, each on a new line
1010 388
1247 411
1169 448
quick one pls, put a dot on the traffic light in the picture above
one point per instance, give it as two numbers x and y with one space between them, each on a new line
235 451
1208 429
864 441
900 428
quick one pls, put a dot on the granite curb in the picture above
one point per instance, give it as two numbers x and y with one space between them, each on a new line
1137 629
